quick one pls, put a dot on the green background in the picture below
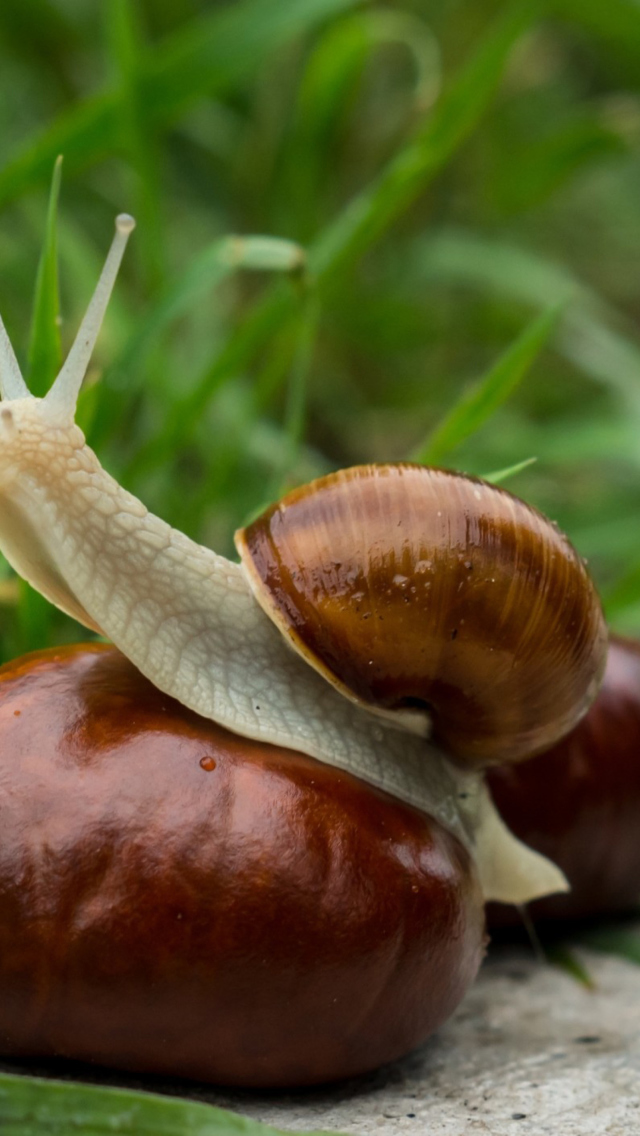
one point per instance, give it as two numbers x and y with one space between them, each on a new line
462 179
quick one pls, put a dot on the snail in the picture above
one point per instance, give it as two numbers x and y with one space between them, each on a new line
515 644
188 619
589 824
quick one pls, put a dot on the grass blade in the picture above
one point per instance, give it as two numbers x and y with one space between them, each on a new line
566 960
208 269
138 140
295 410
623 942
32 1106
363 221
214 264
208 56
589 338
499 475
445 129
477 405
45 352
624 594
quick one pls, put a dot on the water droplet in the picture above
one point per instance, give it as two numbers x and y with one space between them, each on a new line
208 764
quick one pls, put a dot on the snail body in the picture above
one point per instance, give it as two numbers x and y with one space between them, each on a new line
177 900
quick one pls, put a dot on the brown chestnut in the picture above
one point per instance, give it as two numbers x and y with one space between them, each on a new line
579 803
177 900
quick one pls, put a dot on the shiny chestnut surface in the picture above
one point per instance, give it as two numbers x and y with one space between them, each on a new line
579 803
413 585
179 900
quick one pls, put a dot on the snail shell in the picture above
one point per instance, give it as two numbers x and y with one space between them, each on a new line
415 587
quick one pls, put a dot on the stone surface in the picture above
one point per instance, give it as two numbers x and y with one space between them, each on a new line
530 1052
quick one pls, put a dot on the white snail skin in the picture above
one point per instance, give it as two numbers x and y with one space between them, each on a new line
187 618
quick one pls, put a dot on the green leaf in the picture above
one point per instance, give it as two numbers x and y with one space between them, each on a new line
31 1106
45 352
477 405
209 55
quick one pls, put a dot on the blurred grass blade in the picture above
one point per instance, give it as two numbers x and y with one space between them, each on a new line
362 222
624 594
138 138
330 85
569 962
477 405
453 118
45 352
385 25
35 619
615 25
590 337
499 475
32 1106
209 268
296 403
539 166
268 254
623 942
209 55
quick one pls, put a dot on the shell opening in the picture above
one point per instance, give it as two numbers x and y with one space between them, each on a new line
63 395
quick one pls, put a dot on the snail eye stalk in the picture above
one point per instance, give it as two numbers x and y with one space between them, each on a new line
63 395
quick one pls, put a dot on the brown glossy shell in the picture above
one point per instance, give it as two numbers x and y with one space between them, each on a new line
413 586
178 900
579 804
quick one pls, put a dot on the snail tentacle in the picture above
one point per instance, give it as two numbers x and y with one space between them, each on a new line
66 388
12 384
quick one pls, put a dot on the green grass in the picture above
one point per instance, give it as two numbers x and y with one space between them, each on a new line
415 191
